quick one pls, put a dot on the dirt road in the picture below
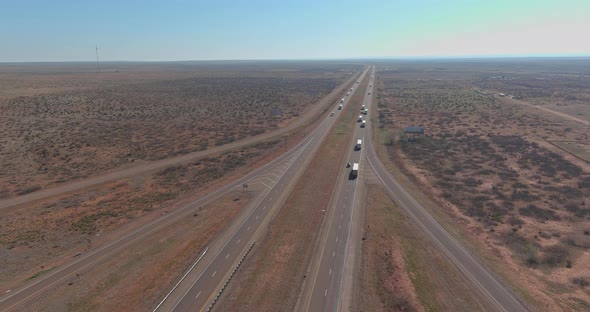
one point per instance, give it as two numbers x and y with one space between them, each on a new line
159 164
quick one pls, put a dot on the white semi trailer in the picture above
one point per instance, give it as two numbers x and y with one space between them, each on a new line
355 170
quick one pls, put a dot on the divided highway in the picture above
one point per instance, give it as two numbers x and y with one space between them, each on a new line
292 161
203 289
329 287
329 273
337 257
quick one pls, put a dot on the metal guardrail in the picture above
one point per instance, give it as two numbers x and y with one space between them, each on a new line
229 278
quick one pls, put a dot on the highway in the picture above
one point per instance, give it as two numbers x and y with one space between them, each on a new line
202 291
142 167
337 256
334 259
293 163
329 287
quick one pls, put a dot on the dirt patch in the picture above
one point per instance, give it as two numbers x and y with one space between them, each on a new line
385 284
83 129
402 270
490 166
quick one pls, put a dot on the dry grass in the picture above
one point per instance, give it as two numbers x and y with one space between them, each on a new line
81 128
403 270
490 165
136 278
51 228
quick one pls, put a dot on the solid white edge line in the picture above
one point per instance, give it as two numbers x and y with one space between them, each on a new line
181 279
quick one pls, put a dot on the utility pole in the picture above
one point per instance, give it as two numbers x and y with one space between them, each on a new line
97 63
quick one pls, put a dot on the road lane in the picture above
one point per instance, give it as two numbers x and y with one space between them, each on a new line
324 291
257 220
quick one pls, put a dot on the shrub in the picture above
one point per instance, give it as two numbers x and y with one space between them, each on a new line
581 281
538 213
555 255
28 190
524 196
514 221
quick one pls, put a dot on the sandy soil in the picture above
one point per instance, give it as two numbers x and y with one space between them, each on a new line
490 166
86 123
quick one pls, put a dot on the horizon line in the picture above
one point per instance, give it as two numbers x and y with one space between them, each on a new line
421 57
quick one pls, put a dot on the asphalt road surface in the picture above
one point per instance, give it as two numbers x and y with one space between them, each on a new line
143 167
294 159
329 273
209 282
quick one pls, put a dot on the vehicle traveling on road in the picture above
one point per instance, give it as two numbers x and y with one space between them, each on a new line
355 170
194 168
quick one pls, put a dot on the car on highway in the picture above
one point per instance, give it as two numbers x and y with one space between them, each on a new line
332 114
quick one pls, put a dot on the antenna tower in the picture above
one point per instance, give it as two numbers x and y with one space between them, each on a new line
97 63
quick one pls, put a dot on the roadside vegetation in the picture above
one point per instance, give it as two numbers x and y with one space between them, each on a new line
72 131
50 231
138 277
402 270
490 165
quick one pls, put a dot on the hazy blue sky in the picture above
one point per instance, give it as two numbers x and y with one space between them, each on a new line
213 30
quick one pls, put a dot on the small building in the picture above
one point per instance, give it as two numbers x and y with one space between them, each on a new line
413 131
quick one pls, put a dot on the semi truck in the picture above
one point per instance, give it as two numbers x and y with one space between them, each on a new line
355 170
358 145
